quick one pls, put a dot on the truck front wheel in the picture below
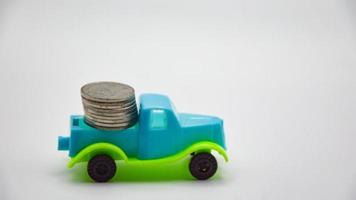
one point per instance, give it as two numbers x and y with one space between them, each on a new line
101 168
203 166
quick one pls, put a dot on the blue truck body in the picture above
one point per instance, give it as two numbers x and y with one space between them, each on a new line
159 132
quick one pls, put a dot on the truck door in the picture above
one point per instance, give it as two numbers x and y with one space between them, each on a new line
156 140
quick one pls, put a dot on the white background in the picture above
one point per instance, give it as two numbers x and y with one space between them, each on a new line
280 73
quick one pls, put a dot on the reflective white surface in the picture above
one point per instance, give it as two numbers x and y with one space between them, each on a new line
280 73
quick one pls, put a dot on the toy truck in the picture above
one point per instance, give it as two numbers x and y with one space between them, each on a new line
160 135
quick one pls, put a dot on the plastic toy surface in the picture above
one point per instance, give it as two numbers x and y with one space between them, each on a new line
161 135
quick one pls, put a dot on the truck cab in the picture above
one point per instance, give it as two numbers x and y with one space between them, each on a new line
160 133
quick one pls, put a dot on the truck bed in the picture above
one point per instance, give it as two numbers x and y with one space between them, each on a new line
83 135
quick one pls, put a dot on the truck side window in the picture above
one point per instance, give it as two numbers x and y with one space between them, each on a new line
158 119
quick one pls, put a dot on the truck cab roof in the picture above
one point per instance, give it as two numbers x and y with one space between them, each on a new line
155 101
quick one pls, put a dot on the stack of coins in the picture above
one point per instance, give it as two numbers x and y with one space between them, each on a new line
109 105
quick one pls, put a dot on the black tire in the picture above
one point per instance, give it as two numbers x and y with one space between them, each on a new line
203 166
101 168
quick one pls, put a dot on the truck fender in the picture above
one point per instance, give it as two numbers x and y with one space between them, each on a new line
207 147
98 148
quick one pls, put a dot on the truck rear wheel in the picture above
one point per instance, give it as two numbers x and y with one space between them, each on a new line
101 168
203 166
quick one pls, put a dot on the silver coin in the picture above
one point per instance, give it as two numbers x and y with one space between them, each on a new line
110 110
111 119
110 126
120 113
130 114
107 91
103 106
118 102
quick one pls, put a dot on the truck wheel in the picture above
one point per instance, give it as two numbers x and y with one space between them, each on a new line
203 166
101 168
